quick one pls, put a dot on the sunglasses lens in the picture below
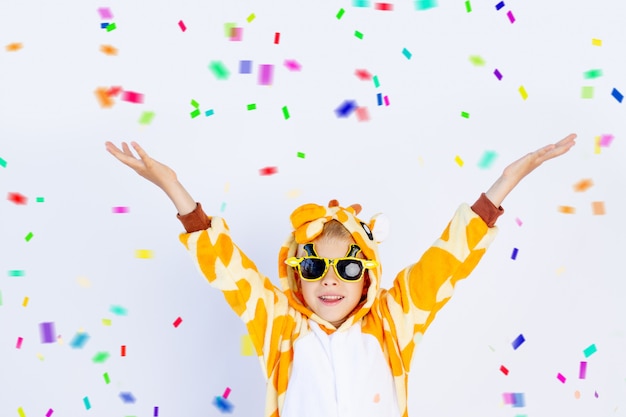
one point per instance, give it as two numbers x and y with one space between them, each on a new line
312 268
350 270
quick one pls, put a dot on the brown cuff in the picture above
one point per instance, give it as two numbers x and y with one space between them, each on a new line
196 220
487 210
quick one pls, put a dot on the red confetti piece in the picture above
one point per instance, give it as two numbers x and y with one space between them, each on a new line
182 26
114 91
17 198
177 322
362 114
18 345
504 370
363 75
276 38
132 97
123 352
383 6
268 171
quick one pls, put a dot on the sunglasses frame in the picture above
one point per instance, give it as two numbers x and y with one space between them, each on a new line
295 262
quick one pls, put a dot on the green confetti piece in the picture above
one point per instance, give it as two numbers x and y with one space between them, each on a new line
468 6
209 112
487 159
195 113
118 310
425 4
286 112
358 34
340 13
594 73
228 29
3 163
406 53
194 103
361 3
39 199
87 403
477 60
106 378
146 117
251 17
0 298
29 236
252 106
223 206
301 155
100 357
586 92
465 114
376 83
111 26
16 273
219 70
590 350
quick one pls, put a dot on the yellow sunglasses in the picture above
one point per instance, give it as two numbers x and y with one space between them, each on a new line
313 268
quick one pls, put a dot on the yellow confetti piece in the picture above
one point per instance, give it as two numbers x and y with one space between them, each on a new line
21 412
251 17
597 208
40 356
294 193
13 47
106 322
25 302
567 209
560 270
523 92
596 42
143 253
596 146
458 160
108 49
83 282
247 348
226 187
420 161
60 340
583 185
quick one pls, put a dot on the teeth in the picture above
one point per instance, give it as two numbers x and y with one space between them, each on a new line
331 297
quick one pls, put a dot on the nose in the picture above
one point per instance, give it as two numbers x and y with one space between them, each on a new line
330 278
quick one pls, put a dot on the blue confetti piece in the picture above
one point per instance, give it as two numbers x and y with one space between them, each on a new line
223 404
406 53
346 108
79 340
103 25
425 4
361 3
127 397
245 67
618 96
514 254
209 112
379 98
518 400
518 341
499 5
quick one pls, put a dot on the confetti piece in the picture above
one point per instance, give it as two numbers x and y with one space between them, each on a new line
182 26
292 65
590 350
103 25
39 200
509 14
17 198
223 404
219 70
195 113
100 357
591 74
425 4
361 3
87 403
276 38
583 185
577 394
79 340
487 160
177 322
518 221
596 42
46 332
25 302
406 53
18 345
301 155
586 92
293 193
228 29
346 108
617 95
363 75
156 412
83 282
143 253
146 117
597 208
504 370
518 341
127 397
14 47
497 73
386 98
49 413
514 254
105 13
582 373
29 236
383 6
251 106
286 112
468 7
362 114
16 273
245 67
499 5
266 74
107 380
458 160
108 49
516 399
111 27
120 209
21 412
223 206
249 19
376 82
465 114
114 91
523 92
0 298
377 398
595 394
226 393
268 171
209 112
605 140
106 322
3 163
236 34
477 61
561 378
340 13
40 357
132 97
358 34
566 209
596 145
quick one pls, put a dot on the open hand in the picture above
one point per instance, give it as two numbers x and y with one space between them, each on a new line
149 168
526 164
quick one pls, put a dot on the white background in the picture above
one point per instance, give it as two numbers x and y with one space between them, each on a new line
564 291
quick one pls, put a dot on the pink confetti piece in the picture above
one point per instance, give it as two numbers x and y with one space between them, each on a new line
363 74
561 378
518 221
236 34
18 345
582 374
266 74
386 100
120 209
292 65
182 26
509 14
605 140
595 394
105 13
226 393
49 413
362 114
132 97
177 322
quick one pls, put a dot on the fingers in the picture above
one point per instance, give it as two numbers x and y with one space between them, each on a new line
142 154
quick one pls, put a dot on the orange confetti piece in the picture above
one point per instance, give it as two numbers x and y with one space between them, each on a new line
15 46
583 185
577 394
597 208
108 49
567 209
103 97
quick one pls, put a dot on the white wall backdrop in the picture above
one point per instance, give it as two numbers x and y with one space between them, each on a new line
79 270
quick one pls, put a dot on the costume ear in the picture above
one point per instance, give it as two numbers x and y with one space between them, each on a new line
380 227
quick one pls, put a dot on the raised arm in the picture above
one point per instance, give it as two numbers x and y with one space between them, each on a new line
157 173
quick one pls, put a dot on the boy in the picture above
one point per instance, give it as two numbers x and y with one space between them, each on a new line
354 340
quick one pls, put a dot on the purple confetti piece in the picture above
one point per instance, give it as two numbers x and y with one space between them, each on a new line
127 397
49 413
266 74
509 14
497 74
245 67
582 374
561 378
46 332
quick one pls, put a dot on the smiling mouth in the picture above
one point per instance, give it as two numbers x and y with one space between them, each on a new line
331 299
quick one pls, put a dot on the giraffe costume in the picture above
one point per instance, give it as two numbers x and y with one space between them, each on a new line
361 368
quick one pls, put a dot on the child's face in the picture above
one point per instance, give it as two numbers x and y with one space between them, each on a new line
320 296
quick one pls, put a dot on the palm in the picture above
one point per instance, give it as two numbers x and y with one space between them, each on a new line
526 164
149 168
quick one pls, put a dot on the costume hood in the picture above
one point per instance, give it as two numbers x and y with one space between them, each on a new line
308 222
